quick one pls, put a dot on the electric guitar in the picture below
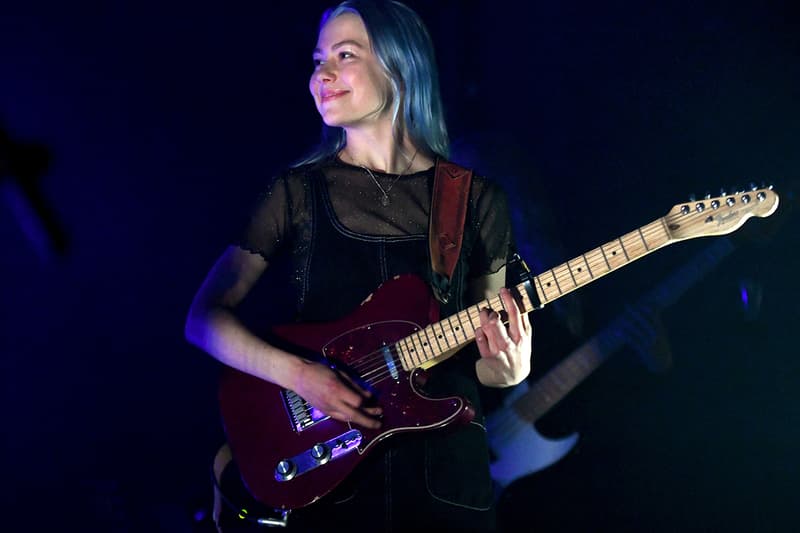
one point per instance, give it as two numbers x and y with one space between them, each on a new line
519 449
290 454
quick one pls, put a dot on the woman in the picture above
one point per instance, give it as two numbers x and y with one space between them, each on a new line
351 216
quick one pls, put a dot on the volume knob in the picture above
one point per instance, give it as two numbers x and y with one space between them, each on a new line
321 453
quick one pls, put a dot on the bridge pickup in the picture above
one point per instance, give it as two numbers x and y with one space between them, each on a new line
302 414
318 455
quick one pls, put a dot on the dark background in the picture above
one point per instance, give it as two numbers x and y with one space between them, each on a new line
163 122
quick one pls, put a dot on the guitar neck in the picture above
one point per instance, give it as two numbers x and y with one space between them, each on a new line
437 342
711 216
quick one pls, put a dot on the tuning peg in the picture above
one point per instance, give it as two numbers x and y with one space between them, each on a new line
708 195
692 197
753 186
722 192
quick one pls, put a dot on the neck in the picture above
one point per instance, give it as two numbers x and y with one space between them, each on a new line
380 151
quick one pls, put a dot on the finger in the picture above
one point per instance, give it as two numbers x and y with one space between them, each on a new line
356 416
527 327
374 411
483 342
355 385
515 326
491 328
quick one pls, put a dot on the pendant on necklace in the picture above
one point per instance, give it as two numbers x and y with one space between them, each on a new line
385 200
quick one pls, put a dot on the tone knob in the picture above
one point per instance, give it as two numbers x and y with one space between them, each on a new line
285 470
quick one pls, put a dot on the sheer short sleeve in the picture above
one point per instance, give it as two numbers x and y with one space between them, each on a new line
268 223
494 240
277 217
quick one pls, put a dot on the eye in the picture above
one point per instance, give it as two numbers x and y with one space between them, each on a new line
317 61
345 54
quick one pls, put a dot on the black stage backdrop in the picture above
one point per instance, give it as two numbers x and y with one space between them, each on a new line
162 121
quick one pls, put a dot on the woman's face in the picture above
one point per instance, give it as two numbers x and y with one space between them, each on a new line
348 84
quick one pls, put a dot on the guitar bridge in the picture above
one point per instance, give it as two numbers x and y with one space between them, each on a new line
302 414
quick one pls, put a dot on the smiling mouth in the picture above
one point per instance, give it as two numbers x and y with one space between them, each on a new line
331 96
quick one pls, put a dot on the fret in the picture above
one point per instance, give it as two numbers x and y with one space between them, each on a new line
622 245
572 274
588 268
562 277
426 347
415 350
543 299
428 343
641 235
461 326
616 259
633 245
552 283
406 355
667 233
475 321
606 259
658 234
444 335
579 273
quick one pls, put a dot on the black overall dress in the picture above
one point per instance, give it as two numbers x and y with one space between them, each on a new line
436 479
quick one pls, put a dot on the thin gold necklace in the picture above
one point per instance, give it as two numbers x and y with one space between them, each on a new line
385 192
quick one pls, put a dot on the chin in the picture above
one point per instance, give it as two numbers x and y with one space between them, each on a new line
333 121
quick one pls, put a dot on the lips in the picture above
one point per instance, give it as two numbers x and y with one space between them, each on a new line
327 96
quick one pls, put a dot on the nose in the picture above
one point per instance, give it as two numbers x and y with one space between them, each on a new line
325 73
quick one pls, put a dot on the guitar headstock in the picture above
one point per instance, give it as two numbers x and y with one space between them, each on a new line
719 215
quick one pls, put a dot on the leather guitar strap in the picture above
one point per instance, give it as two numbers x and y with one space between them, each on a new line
451 185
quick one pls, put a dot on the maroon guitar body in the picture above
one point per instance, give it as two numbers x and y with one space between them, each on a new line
288 453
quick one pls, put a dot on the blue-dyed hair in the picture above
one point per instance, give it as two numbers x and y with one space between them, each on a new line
404 49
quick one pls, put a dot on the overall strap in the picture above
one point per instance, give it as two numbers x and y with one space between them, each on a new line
451 184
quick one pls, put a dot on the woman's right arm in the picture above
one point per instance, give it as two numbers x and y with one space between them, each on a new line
213 327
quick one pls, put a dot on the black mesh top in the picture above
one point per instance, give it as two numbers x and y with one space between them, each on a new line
282 220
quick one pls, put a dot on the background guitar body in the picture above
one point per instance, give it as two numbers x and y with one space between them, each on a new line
519 449
262 430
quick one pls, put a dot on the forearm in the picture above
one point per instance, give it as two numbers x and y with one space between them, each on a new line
220 333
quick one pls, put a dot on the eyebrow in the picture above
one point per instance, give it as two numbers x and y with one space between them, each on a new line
340 44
